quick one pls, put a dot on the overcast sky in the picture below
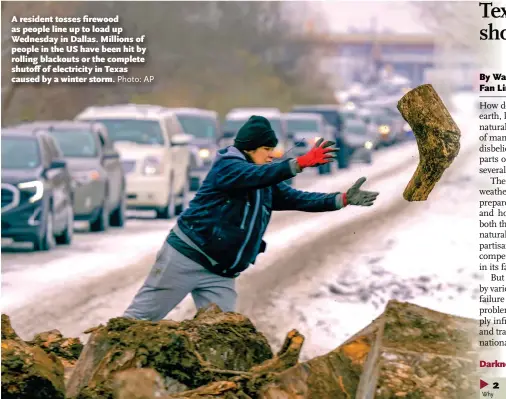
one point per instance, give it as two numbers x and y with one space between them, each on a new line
400 16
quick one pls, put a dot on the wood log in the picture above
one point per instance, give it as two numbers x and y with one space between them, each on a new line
215 390
28 372
437 137
421 353
67 350
288 355
408 351
193 352
138 384
335 375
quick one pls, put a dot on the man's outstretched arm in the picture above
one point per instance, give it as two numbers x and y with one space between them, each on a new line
285 198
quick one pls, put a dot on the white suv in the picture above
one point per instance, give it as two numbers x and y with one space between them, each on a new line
154 152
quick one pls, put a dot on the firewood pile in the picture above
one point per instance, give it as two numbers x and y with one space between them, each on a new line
407 352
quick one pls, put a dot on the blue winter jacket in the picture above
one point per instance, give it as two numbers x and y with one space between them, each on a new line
229 214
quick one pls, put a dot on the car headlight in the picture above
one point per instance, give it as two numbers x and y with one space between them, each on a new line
368 145
384 129
350 106
152 166
204 153
36 187
86 176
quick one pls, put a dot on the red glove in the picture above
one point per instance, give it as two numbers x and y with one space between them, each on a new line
320 154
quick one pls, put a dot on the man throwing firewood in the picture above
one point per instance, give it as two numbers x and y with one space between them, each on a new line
220 234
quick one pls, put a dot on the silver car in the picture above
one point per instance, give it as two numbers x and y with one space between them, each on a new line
203 126
304 130
360 140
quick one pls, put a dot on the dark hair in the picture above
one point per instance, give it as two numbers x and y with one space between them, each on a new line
247 156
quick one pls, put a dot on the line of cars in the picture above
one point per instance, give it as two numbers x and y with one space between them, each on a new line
95 167
138 156
358 130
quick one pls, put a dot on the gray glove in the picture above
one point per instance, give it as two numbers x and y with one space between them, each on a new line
355 196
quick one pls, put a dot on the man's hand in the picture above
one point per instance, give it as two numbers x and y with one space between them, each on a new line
320 154
355 196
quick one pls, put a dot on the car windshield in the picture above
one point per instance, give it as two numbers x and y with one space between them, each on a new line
349 114
233 125
302 125
356 128
20 153
198 126
380 119
378 116
76 143
331 117
138 131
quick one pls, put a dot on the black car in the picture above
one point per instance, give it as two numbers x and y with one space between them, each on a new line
96 170
37 204
334 117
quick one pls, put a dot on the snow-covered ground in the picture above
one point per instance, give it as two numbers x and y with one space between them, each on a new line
23 287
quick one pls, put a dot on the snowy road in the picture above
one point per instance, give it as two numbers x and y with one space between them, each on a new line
316 275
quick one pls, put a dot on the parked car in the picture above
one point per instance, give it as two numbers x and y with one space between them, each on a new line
334 117
204 127
384 126
399 127
304 130
99 180
388 120
238 117
37 204
360 142
154 152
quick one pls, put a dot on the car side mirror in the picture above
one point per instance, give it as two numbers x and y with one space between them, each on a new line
181 139
110 155
58 164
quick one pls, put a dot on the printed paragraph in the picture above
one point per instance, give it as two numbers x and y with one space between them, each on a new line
75 50
492 223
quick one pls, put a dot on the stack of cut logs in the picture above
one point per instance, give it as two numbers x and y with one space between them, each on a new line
407 352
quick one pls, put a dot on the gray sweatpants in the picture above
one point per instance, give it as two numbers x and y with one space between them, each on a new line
172 277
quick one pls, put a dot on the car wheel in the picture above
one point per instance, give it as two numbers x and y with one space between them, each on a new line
46 241
170 209
325 169
101 223
66 237
343 157
118 216
368 158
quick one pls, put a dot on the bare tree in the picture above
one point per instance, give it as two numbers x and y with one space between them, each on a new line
208 54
